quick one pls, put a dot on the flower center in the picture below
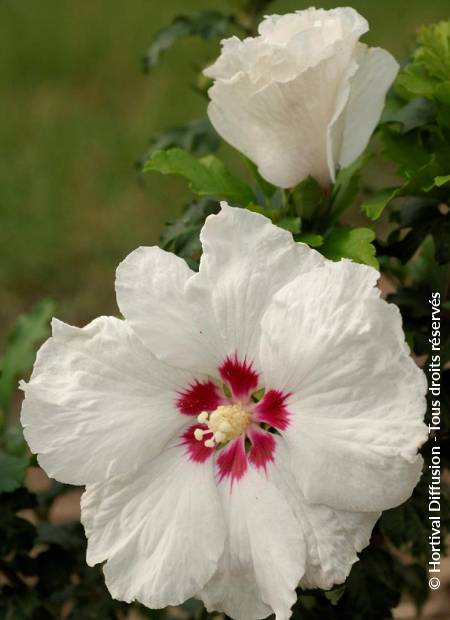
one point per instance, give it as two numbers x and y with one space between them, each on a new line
224 423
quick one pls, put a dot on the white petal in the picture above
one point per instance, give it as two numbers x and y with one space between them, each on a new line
160 530
195 320
368 88
282 127
356 395
278 96
264 556
98 403
246 259
151 287
326 26
333 537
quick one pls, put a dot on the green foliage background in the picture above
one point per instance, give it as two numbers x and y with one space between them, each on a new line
77 112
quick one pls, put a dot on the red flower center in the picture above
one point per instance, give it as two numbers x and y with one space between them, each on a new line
236 419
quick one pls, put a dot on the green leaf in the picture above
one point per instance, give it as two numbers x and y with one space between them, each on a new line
414 81
197 137
423 268
374 206
13 441
346 187
267 188
442 93
404 150
415 582
434 50
420 217
441 180
431 63
308 196
28 332
335 595
12 471
292 224
416 113
208 176
310 239
373 586
182 236
353 243
207 24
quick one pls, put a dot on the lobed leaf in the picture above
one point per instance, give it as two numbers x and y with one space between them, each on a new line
208 176
353 243
374 206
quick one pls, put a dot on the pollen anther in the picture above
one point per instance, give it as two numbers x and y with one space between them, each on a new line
224 423
203 417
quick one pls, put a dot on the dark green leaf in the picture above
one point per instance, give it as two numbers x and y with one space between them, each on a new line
416 113
266 188
346 187
373 587
182 235
292 224
207 24
421 217
65 535
197 137
208 176
308 196
415 582
335 594
404 150
354 243
311 239
374 206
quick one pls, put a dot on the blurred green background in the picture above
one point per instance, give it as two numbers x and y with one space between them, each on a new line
77 112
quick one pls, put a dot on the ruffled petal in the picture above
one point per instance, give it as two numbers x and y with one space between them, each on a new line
333 537
352 125
319 28
357 398
197 321
264 553
285 122
246 259
98 402
151 288
161 530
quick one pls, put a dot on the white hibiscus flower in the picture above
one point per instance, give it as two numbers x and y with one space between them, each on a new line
304 96
241 430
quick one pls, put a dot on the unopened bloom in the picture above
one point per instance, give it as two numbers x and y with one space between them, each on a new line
241 430
303 97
